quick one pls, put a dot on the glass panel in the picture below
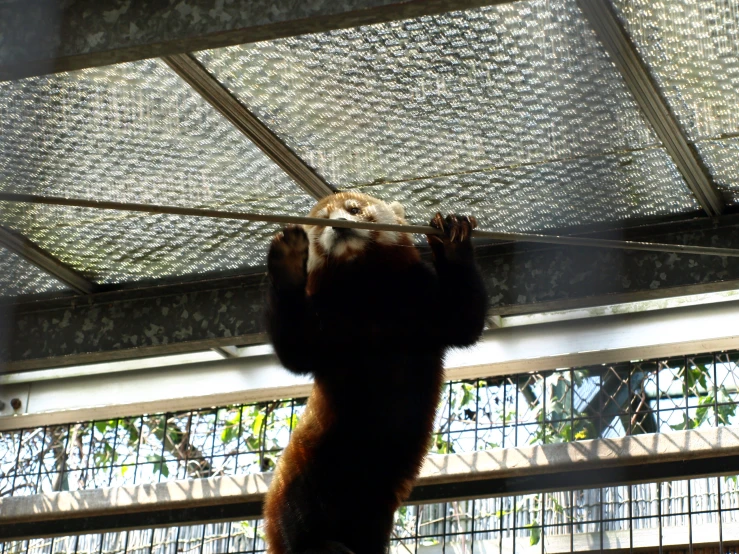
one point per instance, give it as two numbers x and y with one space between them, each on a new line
17 276
692 49
510 84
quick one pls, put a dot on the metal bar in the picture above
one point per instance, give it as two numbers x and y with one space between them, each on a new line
413 229
30 252
617 42
54 37
578 465
218 96
57 399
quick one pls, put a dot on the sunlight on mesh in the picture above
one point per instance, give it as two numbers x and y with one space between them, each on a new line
556 194
135 132
516 83
722 160
132 132
692 49
113 247
19 277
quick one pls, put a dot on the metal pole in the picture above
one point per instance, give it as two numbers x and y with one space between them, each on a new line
413 229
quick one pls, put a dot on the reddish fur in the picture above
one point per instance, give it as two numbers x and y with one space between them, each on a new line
371 326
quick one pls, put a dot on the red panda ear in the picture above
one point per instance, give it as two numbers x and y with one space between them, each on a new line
398 209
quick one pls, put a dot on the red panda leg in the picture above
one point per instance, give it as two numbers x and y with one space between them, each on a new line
290 323
461 288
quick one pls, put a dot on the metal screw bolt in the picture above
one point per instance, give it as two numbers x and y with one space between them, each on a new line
15 403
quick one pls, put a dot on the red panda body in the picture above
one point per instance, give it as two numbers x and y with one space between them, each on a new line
370 321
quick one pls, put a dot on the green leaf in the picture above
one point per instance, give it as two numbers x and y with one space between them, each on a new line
468 395
681 426
535 533
256 425
252 443
726 412
102 426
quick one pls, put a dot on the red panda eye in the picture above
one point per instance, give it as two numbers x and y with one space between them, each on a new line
354 211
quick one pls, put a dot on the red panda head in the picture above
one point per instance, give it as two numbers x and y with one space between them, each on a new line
329 243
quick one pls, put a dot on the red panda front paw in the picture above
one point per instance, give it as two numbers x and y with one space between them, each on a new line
288 257
454 243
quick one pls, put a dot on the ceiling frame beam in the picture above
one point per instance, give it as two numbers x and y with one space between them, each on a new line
21 246
616 40
566 278
51 37
218 96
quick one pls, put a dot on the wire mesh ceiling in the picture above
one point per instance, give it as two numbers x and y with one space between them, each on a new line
513 112
692 50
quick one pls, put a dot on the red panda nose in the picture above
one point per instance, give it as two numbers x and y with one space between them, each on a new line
341 229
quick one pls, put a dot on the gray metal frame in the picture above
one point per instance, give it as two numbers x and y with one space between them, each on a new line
20 245
600 14
47 38
230 311
192 71
63 396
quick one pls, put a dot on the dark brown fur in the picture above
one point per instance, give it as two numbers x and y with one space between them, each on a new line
372 330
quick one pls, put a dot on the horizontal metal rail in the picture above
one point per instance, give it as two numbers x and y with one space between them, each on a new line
413 229
579 465
57 399
86 33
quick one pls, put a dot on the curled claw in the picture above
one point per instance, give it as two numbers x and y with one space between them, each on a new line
438 221
454 230
468 224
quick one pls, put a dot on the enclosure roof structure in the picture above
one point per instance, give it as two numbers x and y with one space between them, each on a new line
611 118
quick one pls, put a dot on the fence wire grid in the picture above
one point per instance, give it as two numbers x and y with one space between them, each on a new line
690 516
573 404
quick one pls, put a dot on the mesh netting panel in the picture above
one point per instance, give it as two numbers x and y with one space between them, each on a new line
114 247
692 49
580 191
491 87
132 132
17 276
722 159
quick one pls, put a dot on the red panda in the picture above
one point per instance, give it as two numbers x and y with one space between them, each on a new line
362 313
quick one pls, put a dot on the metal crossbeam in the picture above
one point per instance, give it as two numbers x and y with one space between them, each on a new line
520 280
579 465
413 229
51 37
617 42
239 115
57 399
30 252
